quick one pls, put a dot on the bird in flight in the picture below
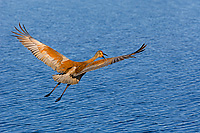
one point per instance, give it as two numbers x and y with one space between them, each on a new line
70 72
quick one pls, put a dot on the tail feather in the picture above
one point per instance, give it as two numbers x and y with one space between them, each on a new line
67 78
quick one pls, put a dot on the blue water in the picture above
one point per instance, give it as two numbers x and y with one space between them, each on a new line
159 91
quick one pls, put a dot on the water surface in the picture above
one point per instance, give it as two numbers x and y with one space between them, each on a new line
156 92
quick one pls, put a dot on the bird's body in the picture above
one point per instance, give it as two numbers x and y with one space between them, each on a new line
70 72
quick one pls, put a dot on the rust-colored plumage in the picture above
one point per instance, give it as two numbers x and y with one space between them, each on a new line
70 72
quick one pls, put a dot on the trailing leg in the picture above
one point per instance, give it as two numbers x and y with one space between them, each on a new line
62 93
52 90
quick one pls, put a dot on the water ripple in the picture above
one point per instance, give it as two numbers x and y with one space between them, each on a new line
156 92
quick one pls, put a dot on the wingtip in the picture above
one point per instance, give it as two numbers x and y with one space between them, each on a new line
23 30
142 48
144 45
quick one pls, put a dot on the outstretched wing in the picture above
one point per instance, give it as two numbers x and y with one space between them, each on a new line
43 52
108 61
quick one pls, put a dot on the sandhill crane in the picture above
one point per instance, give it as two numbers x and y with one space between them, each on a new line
70 72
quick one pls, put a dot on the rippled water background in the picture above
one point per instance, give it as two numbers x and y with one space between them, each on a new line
158 91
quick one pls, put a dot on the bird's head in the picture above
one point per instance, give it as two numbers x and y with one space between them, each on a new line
101 54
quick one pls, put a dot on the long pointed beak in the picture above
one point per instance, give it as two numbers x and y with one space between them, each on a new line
105 55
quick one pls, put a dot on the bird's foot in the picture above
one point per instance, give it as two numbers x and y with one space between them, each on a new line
58 99
47 95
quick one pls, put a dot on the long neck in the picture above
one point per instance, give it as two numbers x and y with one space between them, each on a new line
92 59
85 63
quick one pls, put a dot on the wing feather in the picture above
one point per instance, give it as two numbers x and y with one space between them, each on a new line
108 61
43 52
